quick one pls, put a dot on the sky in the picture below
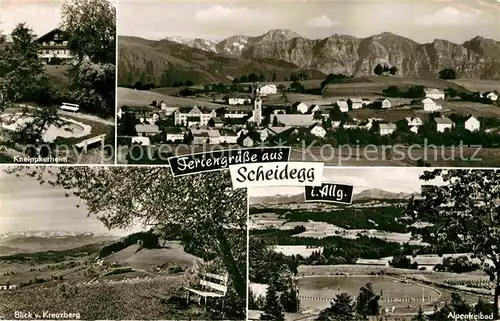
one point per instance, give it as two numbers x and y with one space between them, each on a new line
25 205
40 15
422 20
391 179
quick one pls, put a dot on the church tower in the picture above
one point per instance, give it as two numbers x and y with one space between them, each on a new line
257 107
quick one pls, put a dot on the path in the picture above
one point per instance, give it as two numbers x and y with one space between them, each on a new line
87 117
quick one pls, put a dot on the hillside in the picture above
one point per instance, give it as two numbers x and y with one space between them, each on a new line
283 50
172 255
166 62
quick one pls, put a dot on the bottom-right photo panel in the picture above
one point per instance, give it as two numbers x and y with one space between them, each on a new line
377 244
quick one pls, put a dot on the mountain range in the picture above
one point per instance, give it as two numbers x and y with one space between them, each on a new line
36 241
365 195
283 51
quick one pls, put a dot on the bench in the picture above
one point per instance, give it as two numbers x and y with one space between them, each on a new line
89 141
70 107
212 286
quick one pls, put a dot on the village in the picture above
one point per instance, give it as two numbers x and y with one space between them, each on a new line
255 119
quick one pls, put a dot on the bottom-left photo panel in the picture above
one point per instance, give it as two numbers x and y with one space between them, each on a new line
116 243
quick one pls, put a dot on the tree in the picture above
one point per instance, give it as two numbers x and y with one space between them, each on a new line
392 91
91 27
318 115
273 309
463 211
379 70
212 214
274 76
211 122
21 68
262 78
367 301
448 73
393 70
451 92
341 308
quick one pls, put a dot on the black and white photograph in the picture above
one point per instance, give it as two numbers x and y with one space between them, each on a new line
353 83
121 243
413 245
57 81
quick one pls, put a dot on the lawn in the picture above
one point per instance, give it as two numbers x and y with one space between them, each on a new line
58 75
478 85
149 300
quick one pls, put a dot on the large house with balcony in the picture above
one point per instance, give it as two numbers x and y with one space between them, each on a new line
54 47
193 116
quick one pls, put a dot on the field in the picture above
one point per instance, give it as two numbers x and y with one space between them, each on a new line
478 85
132 97
373 85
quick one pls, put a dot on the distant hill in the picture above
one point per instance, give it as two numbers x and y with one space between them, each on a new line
283 51
166 62
171 255
366 195
39 241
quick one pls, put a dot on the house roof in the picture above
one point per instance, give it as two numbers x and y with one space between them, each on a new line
228 132
472 118
387 126
427 100
294 119
173 130
297 103
147 128
341 103
444 121
433 91
315 125
411 119
49 33
356 100
382 99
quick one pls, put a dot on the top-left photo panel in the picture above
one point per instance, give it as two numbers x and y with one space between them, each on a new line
57 81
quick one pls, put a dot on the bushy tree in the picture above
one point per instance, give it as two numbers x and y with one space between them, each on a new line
463 211
448 73
367 301
379 70
91 28
393 70
273 309
341 309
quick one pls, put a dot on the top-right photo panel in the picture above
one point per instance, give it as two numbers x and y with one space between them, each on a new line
347 83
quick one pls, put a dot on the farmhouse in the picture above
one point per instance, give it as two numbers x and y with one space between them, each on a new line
295 120
383 103
387 129
267 90
168 110
237 100
434 93
174 134
147 130
313 109
343 106
414 121
141 140
200 137
210 136
492 95
429 105
300 107
54 47
356 103
317 130
472 124
191 116
443 123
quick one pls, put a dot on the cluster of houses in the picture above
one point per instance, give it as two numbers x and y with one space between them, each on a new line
230 123
246 99
8 286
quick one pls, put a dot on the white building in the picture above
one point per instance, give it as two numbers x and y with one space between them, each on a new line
491 95
147 130
414 129
141 140
234 112
343 106
387 129
356 103
294 120
443 123
228 136
54 45
267 90
318 130
414 121
300 107
237 100
434 93
472 124
384 103
191 116
430 106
